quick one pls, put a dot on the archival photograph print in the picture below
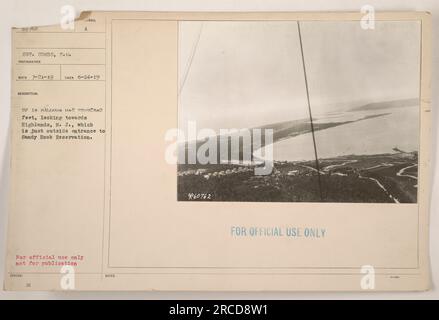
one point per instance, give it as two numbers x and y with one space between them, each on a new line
288 111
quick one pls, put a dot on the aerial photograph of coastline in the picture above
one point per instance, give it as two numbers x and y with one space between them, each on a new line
340 105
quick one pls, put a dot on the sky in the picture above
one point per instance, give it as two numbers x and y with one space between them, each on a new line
248 74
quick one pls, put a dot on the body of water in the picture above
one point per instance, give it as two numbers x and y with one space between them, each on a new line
399 128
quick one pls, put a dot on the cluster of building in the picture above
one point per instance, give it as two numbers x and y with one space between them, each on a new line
227 172
208 175
196 172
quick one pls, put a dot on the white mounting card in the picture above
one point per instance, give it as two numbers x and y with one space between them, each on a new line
221 151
